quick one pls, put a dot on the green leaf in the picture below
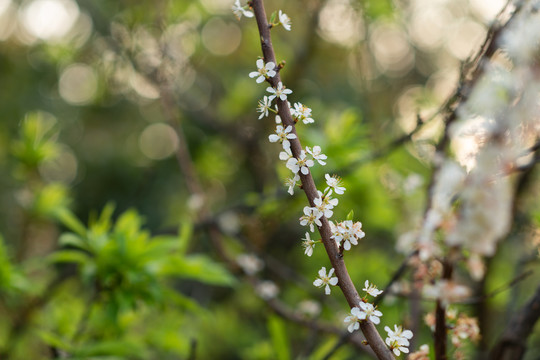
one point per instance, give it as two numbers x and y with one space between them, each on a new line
69 220
184 235
350 215
129 349
51 199
273 17
160 247
68 256
53 340
200 268
70 239
280 341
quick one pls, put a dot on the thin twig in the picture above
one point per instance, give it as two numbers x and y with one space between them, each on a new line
308 185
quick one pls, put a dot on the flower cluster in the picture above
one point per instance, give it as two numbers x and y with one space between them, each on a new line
346 233
299 162
398 339
364 311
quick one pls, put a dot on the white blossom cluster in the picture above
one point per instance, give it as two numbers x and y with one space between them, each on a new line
345 233
496 127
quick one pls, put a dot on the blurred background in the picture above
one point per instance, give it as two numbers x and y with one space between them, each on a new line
142 113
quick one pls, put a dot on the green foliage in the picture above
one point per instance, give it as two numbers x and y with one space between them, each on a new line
126 265
140 279
37 141
280 340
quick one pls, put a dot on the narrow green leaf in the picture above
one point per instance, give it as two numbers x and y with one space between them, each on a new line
184 235
69 220
70 239
280 341
273 17
350 215
68 256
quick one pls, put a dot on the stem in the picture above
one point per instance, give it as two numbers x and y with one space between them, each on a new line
440 317
308 185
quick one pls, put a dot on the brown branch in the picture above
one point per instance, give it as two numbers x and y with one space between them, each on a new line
440 318
308 185
513 342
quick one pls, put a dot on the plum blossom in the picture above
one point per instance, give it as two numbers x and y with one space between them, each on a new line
311 216
302 112
371 289
285 20
421 354
283 136
264 71
447 291
397 346
240 10
347 233
308 245
280 92
326 280
317 154
398 340
324 205
302 163
291 183
286 154
368 312
334 183
353 319
267 289
264 106
249 263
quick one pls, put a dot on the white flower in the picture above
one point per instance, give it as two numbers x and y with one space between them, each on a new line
371 289
317 154
280 92
302 112
324 207
396 346
286 154
334 183
348 233
263 71
310 308
267 289
326 280
399 333
264 106
308 245
285 20
352 320
282 135
368 312
311 216
301 163
398 340
278 118
240 10
447 291
291 182
250 263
